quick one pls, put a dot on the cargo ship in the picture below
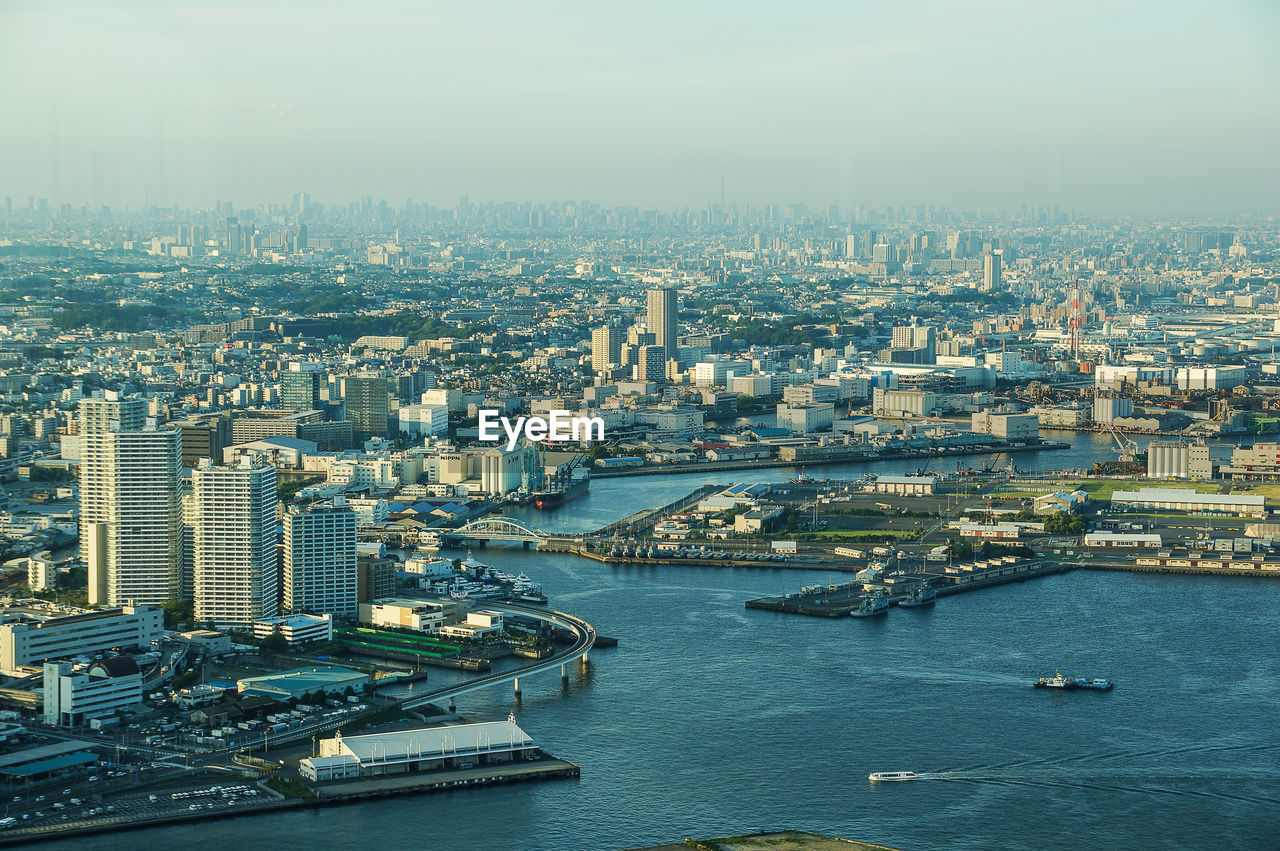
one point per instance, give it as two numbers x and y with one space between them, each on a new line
1068 683
560 493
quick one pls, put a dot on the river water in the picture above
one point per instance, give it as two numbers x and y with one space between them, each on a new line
710 719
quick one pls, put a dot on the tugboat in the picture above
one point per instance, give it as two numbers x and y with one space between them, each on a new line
871 605
1070 683
922 595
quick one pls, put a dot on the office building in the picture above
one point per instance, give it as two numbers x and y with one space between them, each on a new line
31 637
661 320
651 364
320 572
300 387
234 564
106 687
204 438
367 404
296 629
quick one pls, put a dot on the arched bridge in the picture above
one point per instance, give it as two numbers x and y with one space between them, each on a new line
497 529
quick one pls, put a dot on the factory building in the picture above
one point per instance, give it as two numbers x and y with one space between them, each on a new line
1012 427
1169 459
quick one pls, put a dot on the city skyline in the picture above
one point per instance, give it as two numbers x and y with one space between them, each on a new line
1142 108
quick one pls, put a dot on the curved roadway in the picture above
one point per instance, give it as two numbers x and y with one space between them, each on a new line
584 638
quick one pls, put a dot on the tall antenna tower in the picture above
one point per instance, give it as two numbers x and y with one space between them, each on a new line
1077 320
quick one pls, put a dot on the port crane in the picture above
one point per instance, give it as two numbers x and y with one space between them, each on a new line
1125 445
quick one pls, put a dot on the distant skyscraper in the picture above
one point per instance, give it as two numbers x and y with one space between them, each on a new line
606 347
991 271
320 572
235 567
661 319
651 364
367 405
300 387
234 238
130 509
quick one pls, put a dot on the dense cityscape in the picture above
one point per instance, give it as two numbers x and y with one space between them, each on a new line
245 478
831 427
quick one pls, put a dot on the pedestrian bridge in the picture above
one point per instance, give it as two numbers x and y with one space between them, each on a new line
497 529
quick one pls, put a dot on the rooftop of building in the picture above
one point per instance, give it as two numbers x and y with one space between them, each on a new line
482 736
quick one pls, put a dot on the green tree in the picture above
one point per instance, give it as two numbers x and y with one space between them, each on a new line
177 612
274 643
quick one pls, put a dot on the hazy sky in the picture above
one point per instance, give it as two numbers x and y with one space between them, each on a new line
1108 106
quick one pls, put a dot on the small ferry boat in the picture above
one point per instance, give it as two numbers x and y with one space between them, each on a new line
887 776
1069 683
923 595
871 605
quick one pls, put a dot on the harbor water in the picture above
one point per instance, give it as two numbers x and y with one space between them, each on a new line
709 718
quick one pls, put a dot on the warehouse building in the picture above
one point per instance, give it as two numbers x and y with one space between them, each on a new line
1013 427
1120 539
423 749
906 485
290 684
1186 499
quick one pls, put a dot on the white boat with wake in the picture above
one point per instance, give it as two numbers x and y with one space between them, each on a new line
888 776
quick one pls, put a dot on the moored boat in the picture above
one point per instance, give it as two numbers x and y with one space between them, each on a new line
871 605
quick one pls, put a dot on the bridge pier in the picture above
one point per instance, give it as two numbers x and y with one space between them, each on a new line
564 672
524 544
516 683
453 710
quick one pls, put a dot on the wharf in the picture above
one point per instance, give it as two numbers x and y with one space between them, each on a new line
330 794
745 561
856 454
435 781
1267 572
